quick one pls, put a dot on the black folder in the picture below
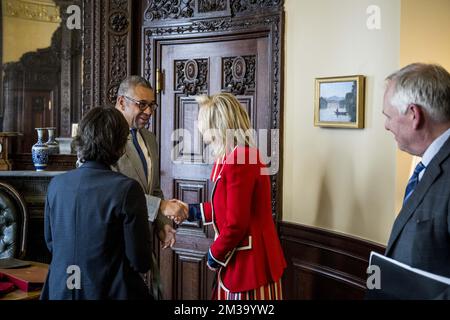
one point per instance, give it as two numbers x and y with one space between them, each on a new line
401 282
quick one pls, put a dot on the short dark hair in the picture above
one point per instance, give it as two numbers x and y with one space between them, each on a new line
102 135
132 82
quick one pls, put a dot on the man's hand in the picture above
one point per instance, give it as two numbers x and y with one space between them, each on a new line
185 208
174 209
167 236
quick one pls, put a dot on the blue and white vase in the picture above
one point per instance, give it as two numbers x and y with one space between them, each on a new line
39 151
52 144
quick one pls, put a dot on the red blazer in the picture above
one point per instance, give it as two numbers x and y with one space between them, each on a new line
246 245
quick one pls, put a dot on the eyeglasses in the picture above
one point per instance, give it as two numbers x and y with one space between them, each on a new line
143 105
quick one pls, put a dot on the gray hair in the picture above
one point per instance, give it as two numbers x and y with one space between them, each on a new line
130 83
427 85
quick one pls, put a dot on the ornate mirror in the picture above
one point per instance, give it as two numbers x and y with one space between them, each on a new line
41 71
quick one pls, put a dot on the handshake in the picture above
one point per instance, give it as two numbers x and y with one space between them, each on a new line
176 210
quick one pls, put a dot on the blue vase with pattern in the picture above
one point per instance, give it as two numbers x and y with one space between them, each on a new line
39 151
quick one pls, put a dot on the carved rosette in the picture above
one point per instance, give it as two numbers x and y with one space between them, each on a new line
191 76
239 74
118 22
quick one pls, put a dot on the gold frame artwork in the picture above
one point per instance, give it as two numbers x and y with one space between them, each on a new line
334 114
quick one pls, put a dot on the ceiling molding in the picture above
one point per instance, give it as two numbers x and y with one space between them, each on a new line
36 10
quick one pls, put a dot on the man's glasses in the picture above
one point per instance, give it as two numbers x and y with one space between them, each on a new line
143 105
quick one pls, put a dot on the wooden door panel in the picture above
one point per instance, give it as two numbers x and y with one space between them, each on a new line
190 148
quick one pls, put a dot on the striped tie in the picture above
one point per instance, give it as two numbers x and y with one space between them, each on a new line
413 181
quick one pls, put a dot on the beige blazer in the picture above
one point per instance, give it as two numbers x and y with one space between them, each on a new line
130 165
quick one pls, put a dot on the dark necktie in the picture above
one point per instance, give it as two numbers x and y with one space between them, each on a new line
413 181
139 150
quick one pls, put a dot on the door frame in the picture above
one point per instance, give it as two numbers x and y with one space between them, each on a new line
247 23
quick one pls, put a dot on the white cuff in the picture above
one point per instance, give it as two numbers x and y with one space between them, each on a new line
153 204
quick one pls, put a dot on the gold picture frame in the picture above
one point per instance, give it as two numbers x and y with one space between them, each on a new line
339 102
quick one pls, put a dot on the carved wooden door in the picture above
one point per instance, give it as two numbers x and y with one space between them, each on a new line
235 64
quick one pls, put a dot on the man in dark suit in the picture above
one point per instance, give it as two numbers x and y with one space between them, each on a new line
417 110
96 220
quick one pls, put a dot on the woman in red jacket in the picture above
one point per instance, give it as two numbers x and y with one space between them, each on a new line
246 251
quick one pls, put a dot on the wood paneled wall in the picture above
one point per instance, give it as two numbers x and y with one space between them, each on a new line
324 264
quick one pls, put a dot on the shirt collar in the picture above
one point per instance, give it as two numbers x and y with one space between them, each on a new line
95 165
434 148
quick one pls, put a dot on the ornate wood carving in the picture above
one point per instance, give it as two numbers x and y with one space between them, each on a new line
106 50
118 22
246 15
208 5
189 9
242 6
273 22
172 9
191 76
214 8
239 74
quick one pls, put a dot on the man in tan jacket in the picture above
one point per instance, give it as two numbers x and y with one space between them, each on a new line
136 101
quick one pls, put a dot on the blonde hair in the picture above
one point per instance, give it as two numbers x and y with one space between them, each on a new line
224 123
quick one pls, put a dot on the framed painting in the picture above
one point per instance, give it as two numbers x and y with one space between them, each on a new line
339 102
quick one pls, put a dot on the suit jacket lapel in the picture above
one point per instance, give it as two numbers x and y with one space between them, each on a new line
135 161
431 173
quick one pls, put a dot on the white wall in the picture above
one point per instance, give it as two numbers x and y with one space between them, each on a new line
339 179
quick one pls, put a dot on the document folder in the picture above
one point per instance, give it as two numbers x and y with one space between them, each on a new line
402 282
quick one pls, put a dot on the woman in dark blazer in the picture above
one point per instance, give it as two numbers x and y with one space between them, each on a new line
246 251
96 221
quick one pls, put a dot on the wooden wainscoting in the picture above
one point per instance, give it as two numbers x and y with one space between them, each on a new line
323 264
